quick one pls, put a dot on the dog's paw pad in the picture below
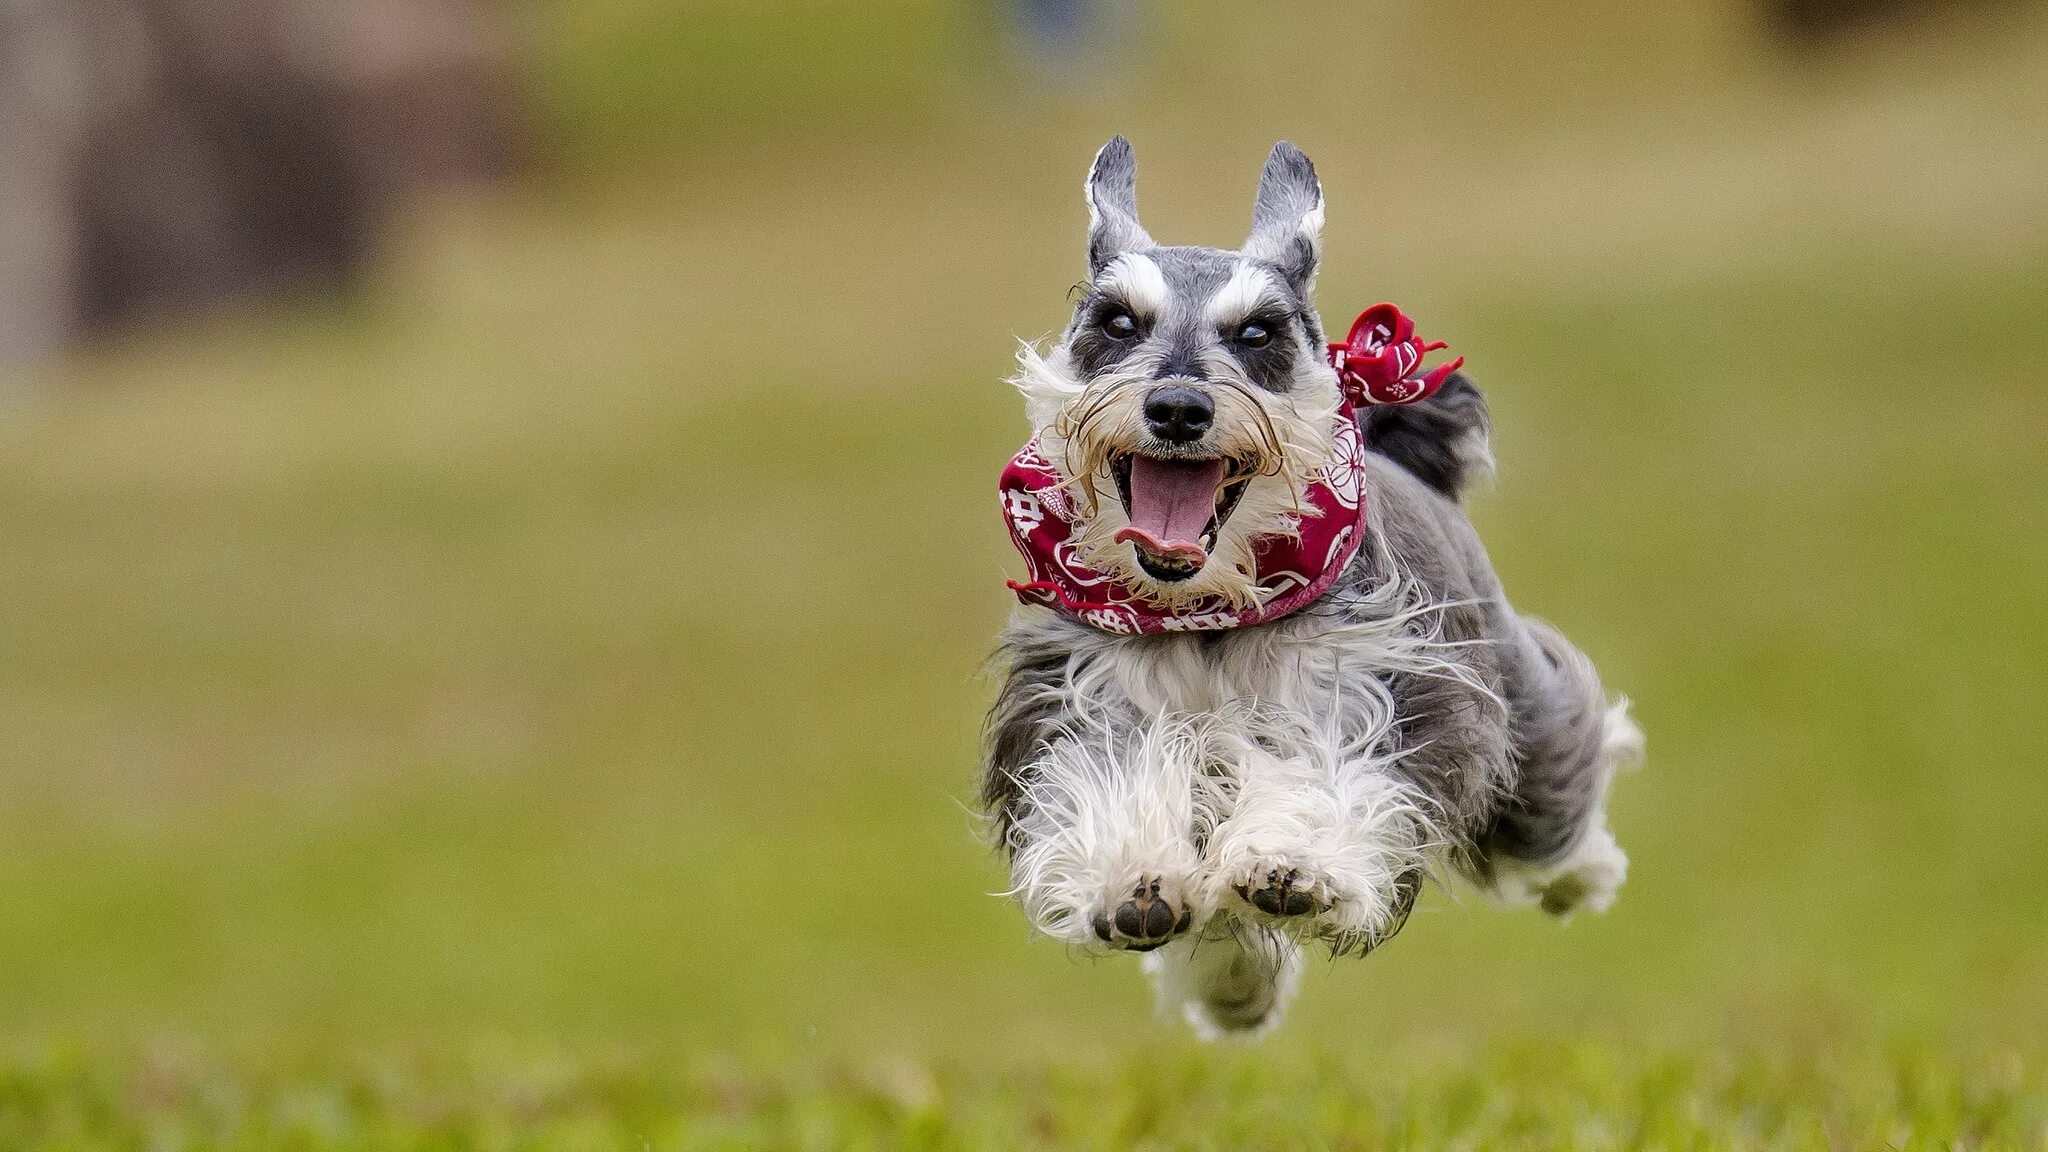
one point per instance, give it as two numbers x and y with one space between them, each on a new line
1564 895
1283 891
1584 881
1144 921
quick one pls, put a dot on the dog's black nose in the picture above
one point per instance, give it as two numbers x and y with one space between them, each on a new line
1179 414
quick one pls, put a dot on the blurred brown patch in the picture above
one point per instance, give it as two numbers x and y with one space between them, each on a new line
172 153
1816 23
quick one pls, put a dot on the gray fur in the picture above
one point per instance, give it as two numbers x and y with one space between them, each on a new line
1559 737
1480 759
1442 440
1029 711
1288 194
1113 205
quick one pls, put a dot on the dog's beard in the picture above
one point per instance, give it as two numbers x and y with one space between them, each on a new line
1263 453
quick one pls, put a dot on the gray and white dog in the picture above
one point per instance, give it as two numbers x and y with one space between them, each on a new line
1219 799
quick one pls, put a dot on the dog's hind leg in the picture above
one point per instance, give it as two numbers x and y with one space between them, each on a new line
1551 844
1232 979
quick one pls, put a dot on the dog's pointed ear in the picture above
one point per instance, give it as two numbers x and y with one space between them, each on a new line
1113 227
1287 220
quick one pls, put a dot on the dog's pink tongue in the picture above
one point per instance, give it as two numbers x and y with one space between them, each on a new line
1171 502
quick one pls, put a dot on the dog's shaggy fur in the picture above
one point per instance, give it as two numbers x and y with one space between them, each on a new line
1226 797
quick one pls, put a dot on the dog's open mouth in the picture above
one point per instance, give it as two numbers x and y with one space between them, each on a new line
1176 508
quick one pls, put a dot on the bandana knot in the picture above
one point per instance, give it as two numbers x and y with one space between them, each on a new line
1380 360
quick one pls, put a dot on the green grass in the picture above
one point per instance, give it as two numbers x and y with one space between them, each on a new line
1537 1097
530 705
375 796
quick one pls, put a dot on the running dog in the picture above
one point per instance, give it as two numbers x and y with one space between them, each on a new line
1263 680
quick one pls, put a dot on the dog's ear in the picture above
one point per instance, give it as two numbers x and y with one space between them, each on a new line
1287 220
1113 227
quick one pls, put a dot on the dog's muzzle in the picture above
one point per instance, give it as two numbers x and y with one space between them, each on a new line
1166 501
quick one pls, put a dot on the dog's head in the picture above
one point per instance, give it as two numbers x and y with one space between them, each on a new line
1188 404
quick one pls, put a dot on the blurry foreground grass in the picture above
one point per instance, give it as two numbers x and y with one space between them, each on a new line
531 707
1579 1096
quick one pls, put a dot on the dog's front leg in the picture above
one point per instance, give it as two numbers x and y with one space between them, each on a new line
1102 837
1317 834
1099 807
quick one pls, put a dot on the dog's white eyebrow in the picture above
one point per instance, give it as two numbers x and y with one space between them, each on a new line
1248 287
1137 280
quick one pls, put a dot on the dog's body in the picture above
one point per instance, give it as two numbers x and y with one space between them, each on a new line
1222 796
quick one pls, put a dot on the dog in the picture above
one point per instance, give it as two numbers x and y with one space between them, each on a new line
1197 755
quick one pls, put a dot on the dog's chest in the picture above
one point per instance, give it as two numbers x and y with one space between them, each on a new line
1205 672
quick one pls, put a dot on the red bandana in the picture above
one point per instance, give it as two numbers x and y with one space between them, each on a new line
1379 363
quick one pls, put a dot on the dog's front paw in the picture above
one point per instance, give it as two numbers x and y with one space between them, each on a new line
1283 890
1363 935
1144 920
1351 920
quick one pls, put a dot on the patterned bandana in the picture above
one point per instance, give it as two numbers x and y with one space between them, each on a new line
1379 362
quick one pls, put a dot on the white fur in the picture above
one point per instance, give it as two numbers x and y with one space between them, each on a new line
1135 279
1312 222
1045 380
1270 751
1348 826
1103 814
1248 287
1312 227
1088 191
1200 765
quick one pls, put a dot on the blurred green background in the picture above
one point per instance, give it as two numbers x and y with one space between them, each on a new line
565 646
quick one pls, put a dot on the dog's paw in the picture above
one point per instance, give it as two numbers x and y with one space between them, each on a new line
1587 878
1350 922
1145 919
1361 939
1283 890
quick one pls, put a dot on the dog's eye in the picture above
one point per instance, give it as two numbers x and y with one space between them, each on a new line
1120 325
1254 335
